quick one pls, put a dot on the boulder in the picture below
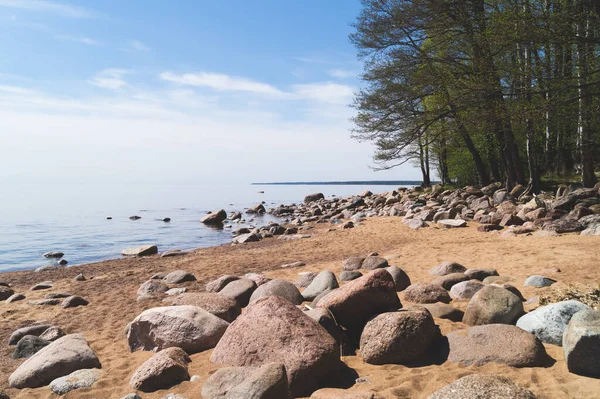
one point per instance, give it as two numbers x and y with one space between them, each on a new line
305 279
397 337
449 280
539 281
401 279
214 218
324 281
349 275
35 330
5 292
78 379
265 382
326 320
274 330
581 343
444 311
374 262
465 289
144 250
313 197
244 238
241 290
165 369
447 268
179 276
482 386
355 303
493 305
259 279
73 301
480 274
219 305
28 346
152 288
353 263
281 288
60 358
44 285
190 328
220 283
549 322
496 343
426 293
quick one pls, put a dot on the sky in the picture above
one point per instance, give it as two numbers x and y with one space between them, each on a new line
182 92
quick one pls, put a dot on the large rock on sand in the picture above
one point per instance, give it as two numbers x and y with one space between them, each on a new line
28 346
482 386
449 280
265 382
35 330
426 293
241 290
322 282
221 306
496 343
281 288
401 279
397 337
274 330
60 358
447 268
163 370
77 379
581 343
355 303
465 289
549 322
493 305
220 283
190 328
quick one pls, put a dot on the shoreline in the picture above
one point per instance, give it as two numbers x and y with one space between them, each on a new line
112 296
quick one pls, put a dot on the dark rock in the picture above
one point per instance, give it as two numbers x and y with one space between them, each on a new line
15 298
401 279
449 280
73 302
581 343
324 281
5 292
349 275
353 263
374 262
42 286
28 346
54 255
480 274
35 330
179 276
444 311
313 197
214 218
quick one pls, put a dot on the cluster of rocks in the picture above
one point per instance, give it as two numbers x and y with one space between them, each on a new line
65 300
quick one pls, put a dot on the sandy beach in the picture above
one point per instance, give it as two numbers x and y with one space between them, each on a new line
112 297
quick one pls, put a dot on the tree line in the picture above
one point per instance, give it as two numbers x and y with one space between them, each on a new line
480 91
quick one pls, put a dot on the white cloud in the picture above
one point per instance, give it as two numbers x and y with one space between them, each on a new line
61 9
342 73
220 82
139 46
327 92
82 40
110 79
313 60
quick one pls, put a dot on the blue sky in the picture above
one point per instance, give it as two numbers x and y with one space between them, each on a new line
107 90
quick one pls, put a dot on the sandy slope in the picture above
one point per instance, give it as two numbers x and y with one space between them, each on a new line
112 294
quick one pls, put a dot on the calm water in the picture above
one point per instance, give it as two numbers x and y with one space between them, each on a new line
38 218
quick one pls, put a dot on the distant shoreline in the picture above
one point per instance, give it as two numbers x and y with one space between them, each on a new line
345 183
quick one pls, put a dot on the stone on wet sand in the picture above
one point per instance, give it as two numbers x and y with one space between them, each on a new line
324 281
581 343
397 337
496 343
401 279
77 379
482 386
144 250
265 382
549 322
281 288
274 330
221 306
190 328
493 305
241 290
60 358
539 281
447 268
165 369
426 293
179 276
355 303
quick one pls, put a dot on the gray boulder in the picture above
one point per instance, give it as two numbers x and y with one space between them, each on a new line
221 306
549 322
144 250
444 311
190 328
305 279
214 218
73 302
241 290
449 280
152 288
401 279
28 346
265 382
480 274
324 281
77 379
220 283
493 305
465 289
179 276
447 268
15 298
426 293
539 281
60 358
52 334
581 343
36 330
482 386
374 262
281 288
165 369
353 263
349 275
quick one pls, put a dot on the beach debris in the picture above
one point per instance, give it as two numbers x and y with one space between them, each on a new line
190 328
496 343
549 322
264 382
472 386
493 305
274 330
76 380
144 250
165 369
58 359
426 293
